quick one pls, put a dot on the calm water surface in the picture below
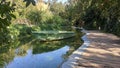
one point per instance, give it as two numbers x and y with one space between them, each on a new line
26 53
43 60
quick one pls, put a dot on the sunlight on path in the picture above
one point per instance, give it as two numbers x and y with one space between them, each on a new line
103 52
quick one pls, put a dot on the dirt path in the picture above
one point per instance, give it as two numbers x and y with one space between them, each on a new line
103 52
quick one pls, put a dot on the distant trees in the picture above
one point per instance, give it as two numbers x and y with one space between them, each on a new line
57 7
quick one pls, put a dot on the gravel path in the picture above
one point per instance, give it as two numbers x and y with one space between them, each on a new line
102 52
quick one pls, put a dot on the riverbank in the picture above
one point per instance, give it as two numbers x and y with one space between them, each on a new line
100 50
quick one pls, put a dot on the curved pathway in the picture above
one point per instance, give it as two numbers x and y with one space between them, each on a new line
103 52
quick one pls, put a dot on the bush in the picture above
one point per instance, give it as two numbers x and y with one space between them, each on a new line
37 17
47 21
54 23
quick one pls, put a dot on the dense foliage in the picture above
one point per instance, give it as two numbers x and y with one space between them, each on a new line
52 15
6 9
39 15
18 21
103 14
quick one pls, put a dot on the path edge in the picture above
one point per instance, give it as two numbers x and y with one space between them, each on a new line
71 61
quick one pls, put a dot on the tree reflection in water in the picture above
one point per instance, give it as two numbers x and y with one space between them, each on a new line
20 47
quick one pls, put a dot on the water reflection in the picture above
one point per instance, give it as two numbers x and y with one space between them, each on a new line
44 60
31 53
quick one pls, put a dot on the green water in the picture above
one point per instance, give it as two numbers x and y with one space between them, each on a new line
31 53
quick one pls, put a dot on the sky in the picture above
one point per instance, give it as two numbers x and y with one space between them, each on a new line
63 1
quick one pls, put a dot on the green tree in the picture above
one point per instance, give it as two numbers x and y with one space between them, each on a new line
6 9
102 14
